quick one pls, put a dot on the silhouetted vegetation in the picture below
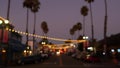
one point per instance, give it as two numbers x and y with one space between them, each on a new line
113 40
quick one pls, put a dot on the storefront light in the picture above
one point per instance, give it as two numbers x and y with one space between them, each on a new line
24 51
3 50
30 52
28 47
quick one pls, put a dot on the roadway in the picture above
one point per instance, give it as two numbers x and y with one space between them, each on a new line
64 61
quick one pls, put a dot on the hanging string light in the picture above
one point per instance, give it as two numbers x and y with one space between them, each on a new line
38 36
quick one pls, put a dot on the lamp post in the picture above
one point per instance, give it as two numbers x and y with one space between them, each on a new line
3 23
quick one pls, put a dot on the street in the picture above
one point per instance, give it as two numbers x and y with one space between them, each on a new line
59 34
64 61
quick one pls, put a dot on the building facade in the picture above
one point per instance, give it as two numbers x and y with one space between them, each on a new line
11 46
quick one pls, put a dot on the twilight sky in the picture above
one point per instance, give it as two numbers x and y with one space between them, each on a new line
61 15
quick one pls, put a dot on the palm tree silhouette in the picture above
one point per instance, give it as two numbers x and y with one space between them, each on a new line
75 28
84 12
35 9
28 4
92 28
72 32
79 27
44 27
105 26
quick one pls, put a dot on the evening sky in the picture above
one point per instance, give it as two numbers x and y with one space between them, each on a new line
61 15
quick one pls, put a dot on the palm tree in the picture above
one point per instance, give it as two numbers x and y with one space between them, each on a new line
8 47
75 28
28 4
34 9
84 12
72 32
92 28
45 31
105 26
79 27
44 27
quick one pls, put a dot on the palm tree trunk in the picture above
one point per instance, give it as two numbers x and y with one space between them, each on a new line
27 26
8 51
92 29
8 11
105 26
78 33
71 36
34 31
83 32
84 26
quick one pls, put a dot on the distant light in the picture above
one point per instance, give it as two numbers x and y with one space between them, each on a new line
112 50
28 47
58 53
3 51
71 45
85 37
43 43
103 53
118 50
6 21
30 52
24 51
1 21
13 30
41 51
90 48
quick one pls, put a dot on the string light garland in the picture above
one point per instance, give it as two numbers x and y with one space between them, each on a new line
39 36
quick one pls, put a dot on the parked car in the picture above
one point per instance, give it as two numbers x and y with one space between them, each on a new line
45 55
29 59
76 56
79 55
91 58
